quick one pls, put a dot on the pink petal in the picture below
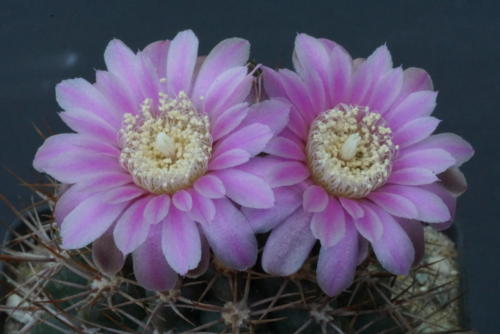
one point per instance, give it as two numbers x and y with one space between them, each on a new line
251 138
412 176
106 256
394 248
272 83
180 241
231 52
71 198
395 204
341 75
315 199
369 226
151 269
368 74
78 94
157 53
86 123
117 93
415 232
415 105
157 208
229 120
227 159
75 166
288 245
455 145
329 226
107 181
415 131
57 145
203 210
386 90
337 264
132 229
297 93
285 148
210 186
448 199
352 207
246 189
88 221
123 194
288 173
123 63
204 261
182 200
435 160
273 113
234 244
430 207
182 54
414 80
287 200
229 88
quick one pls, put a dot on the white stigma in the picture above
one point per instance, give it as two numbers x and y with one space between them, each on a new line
350 147
349 151
165 145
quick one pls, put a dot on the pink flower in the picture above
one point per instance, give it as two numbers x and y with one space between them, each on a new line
155 165
356 164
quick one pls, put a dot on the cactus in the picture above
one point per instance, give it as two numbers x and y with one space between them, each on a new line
51 290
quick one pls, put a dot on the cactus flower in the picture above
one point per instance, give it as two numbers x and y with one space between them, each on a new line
157 161
357 165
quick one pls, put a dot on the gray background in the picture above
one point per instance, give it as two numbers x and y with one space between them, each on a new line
43 42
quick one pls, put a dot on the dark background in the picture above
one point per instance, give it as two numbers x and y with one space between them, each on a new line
457 42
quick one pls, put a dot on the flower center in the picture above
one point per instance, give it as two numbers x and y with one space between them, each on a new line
166 149
349 151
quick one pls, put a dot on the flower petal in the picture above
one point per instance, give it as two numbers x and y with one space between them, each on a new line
180 241
394 248
157 53
229 88
352 207
230 158
132 229
251 138
369 226
246 189
288 245
151 269
229 120
285 148
329 226
182 55
315 199
387 90
88 221
337 264
88 124
287 173
287 200
415 131
430 207
455 145
454 181
229 53
210 186
273 113
415 232
433 159
412 176
79 94
395 204
182 200
106 256
415 105
230 236
203 210
157 208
